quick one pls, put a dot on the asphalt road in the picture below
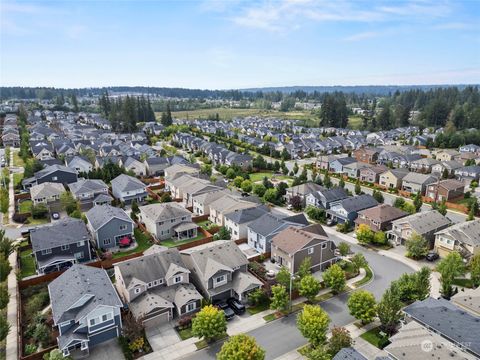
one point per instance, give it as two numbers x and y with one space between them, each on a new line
282 336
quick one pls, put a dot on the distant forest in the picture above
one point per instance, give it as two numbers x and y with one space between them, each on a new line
457 107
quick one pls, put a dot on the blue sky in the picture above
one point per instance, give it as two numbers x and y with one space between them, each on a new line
238 44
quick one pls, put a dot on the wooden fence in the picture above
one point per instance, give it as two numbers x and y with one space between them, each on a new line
241 241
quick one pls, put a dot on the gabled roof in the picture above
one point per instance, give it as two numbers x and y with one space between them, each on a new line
63 232
242 216
349 354
418 178
424 221
125 182
99 215
75 283
87 185
465 233
291 239
51 169
304 189
164 211
357 203
271 224
46 189
382 213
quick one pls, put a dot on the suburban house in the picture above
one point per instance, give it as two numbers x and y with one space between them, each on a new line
168 220
46 193
423 165
302 191
324 198
347 209
471 172
183 182
174 171
109 226
60 245
452 323
135 165
54 173
292 245
238 220
417 183
224 205
353 170
366 155
201 202
79 164
262 230
85 308
156 165
425 223
392 179
127 189
468 299
447 190
156 286
447 155
90 191
351 354
470 148
449 166
463 237
336 166
380 217
371 174
197 188
219 270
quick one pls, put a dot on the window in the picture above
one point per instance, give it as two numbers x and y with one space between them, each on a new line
150 284
46 251
172 221
183 218
310 251
107 241
123 227
177 279
191 307
160 223
54 178
137 290
79 255
155 283
324 245
219 279
160 281
65 247
80 243
105 317
92 322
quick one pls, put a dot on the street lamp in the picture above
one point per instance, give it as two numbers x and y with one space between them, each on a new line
292 277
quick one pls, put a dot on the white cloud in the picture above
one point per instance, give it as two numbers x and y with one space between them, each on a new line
362 36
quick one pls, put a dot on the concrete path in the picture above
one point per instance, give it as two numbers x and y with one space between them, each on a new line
11 348
11 192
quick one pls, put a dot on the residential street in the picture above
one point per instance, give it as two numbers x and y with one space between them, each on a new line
385 270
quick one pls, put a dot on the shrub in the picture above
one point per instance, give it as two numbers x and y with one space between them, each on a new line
19 218
5 267
257 269
4 296
185 322
41 334
30 349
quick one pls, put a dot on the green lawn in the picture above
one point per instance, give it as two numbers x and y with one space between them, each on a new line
25 206
17 179
355 121
205 224
32 221
463 283
366 279
27 264
17 160
185 333
252 310
373 337
173 243
269 317
254 177
142 241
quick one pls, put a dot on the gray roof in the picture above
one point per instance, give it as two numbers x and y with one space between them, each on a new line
215 256
81 281
165 211
304 189
46 190
449 321
87 185
334 194
272 224
360 202
242 216
418 178
424 221
465 233
127 183
62 232
349 354
101 214
52 168
153 266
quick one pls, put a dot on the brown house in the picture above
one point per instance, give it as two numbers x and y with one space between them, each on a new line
379 218
366 155
291 246
445 190
372 174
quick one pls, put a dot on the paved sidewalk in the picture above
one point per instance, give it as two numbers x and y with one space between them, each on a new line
434 278
11 348
241 324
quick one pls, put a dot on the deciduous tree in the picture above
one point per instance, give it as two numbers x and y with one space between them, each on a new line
450 268
334 278
241 347
209 323
361 304
279 298
309 287
313 323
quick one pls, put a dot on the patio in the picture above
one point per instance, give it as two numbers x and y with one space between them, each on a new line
248 251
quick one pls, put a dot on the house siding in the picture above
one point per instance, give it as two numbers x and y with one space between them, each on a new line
111 230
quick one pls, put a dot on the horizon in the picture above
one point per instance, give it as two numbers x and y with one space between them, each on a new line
213 44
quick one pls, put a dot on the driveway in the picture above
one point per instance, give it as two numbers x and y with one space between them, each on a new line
162 337
108 350
282 336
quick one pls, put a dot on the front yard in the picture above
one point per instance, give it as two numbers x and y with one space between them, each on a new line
376 338
17 179
17 160
25 206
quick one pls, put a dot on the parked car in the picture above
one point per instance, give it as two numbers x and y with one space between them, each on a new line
237 307
331 222
227 310
245 194
55 216
432 256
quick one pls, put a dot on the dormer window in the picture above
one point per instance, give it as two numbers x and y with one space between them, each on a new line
137 290
177 279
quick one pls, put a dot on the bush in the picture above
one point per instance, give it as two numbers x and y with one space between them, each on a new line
4 296
5 267
185 322
39 211
41 334
19 218
125 346
35 304
30 349
257 269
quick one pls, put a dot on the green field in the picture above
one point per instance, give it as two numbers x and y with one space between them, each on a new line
355 122
229 114
27 264
255 177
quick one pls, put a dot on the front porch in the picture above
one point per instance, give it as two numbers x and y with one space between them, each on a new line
185 230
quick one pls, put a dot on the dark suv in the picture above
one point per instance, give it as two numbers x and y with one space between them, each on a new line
432 256
229 314
236 306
